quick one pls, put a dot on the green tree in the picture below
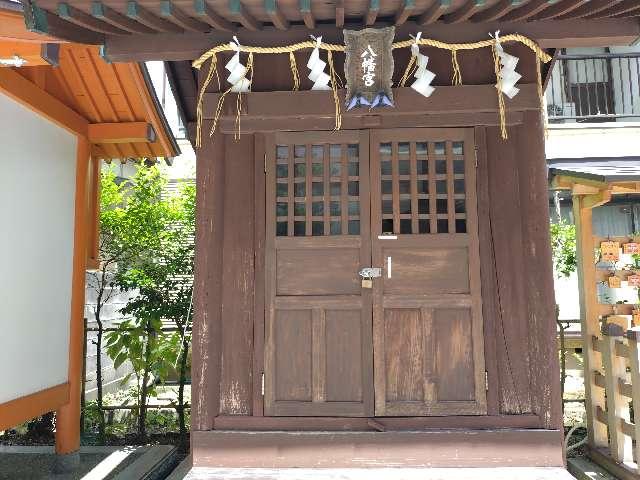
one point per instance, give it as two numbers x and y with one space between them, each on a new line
111 252
160 232
563 248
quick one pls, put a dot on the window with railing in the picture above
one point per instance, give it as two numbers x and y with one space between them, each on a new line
587 88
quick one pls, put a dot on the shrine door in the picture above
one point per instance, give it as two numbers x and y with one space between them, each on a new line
373 304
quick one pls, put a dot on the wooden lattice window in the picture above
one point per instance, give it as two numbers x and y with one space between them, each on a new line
317 189
422 187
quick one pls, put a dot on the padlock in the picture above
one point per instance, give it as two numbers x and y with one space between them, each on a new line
367 283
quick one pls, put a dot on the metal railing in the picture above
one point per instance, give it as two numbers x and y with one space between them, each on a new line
594 88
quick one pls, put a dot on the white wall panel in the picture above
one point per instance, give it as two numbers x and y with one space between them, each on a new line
37 188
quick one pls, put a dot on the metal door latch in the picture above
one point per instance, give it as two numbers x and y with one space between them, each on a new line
370 272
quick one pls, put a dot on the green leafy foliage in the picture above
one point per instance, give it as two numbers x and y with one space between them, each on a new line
152 238
563 248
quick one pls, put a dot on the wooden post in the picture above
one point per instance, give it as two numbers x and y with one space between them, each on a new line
68 416
615 368
634 366
594 395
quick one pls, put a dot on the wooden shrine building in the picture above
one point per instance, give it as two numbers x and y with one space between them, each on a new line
442 353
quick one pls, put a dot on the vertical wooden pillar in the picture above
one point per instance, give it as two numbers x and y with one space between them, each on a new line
615 368
538 274
68 416
597 431
205 370
634 367
93 216
236 385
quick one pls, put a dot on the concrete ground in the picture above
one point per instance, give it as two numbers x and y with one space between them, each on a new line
96 463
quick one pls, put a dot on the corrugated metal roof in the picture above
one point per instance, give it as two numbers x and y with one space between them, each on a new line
612 169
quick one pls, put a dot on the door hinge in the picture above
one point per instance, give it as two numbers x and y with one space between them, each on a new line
262 386
486 381
475 154
265 163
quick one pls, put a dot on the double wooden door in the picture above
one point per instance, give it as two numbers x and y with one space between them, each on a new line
407 342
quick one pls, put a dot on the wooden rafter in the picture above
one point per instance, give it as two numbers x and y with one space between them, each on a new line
630 13
88 93
129 115
139 82
28 93
41 21
307 14
109 15
464 12
177 16
621 8
528 10
496 11
121 132
74 15
434 12
204 11
407 9
591 8
151 20
561 8
241 15
275 14
98 88
34 53
372 12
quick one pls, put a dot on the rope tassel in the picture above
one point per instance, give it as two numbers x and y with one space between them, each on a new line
457 74
503 120
334 88
245 84
294 72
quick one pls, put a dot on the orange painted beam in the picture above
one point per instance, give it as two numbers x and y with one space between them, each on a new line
30 95
68 415
12 27
93 215
28 51
124 132
25 408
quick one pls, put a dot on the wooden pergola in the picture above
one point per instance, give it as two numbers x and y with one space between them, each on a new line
609 335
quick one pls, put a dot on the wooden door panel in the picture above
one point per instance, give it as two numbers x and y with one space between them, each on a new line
454 354
427 308
318 340
433 269
318 270
293 333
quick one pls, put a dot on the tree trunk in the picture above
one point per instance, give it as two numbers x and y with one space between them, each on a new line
98 343
144 390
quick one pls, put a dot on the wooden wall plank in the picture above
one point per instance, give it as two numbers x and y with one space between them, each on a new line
238 278
538 273
205 370
489 281
511 325
259 297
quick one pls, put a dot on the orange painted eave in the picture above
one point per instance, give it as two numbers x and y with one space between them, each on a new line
12 27
104 93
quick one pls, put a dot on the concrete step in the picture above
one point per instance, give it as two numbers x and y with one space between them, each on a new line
584 469
498 473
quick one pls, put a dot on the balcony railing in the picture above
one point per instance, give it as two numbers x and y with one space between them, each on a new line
594 88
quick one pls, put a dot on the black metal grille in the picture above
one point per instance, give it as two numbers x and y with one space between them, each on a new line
594 88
